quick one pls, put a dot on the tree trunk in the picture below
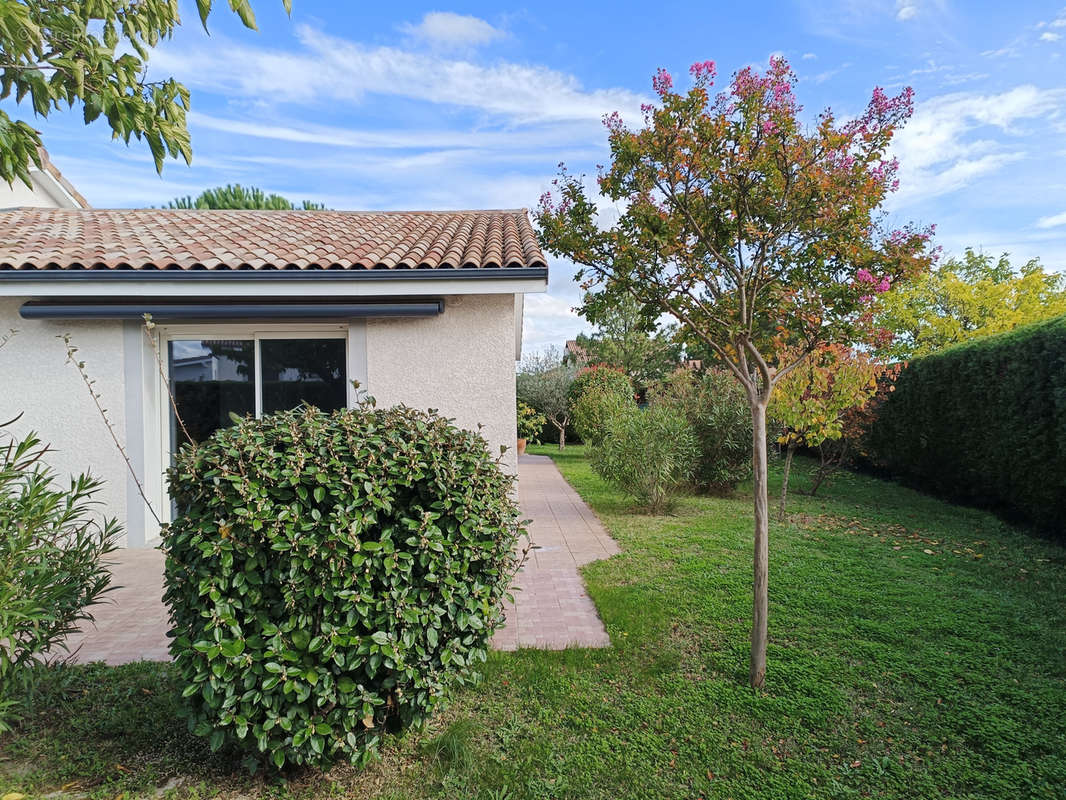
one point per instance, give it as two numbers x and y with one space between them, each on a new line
562 437
757 674
784 481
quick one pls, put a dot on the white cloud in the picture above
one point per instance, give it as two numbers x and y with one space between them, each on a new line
906 11
1010 51
954 139
549 318
808 56
512 139
328 68
1048 36
1053 221
448 30
829 74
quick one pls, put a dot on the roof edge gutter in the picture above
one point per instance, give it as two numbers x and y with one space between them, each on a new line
117 275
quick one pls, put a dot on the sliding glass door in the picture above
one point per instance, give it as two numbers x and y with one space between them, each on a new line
256 373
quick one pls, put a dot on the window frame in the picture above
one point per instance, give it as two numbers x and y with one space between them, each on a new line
353 335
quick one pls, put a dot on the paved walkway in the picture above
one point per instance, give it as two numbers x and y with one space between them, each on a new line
131 624
551 611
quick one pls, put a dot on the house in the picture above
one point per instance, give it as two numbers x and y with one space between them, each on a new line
575 354
49 189
255 311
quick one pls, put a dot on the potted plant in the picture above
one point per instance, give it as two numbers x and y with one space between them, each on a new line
530 423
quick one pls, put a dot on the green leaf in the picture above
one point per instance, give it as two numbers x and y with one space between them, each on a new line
300 639
203 7
244 11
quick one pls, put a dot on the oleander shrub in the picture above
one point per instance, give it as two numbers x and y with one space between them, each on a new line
53 569
333 576
715 406
597 395
649 454
983 422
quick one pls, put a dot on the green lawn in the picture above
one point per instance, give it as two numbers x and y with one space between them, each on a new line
917 650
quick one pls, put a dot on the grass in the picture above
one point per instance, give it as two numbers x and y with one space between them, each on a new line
917 650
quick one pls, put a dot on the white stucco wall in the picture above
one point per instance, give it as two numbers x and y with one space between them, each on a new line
461 363
46 193
35 380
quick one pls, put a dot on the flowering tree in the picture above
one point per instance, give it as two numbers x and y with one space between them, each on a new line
813 403
759 235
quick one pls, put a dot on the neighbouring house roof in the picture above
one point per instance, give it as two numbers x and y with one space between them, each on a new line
47 188
575 351
153 240
66 186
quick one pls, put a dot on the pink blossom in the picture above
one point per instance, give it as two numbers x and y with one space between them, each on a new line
883 286
613 121
703 69
663 82
864 276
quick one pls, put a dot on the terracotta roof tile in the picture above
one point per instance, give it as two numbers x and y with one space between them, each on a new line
157 239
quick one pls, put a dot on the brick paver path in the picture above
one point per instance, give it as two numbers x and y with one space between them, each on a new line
552 610
131 624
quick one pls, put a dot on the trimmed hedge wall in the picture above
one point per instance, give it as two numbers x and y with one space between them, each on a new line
984 423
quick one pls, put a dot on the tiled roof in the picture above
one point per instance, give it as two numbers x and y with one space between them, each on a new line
165 239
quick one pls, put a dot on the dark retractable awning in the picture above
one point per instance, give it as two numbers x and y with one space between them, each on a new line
223 308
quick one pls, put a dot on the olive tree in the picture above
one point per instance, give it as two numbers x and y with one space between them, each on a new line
544 382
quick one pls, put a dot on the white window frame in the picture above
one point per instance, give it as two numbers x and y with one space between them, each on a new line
159 450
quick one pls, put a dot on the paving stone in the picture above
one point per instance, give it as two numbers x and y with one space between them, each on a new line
551 611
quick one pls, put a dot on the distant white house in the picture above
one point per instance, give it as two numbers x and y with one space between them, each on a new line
255 311
50 189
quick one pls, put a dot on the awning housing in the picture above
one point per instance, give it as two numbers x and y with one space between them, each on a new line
225 308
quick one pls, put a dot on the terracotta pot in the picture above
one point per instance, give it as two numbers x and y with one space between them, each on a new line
521 446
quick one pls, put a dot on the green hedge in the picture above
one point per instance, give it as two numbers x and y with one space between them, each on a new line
984 423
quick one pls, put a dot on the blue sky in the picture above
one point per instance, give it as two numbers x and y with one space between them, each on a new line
472 105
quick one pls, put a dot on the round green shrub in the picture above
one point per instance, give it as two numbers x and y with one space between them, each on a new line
597 395
331 576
